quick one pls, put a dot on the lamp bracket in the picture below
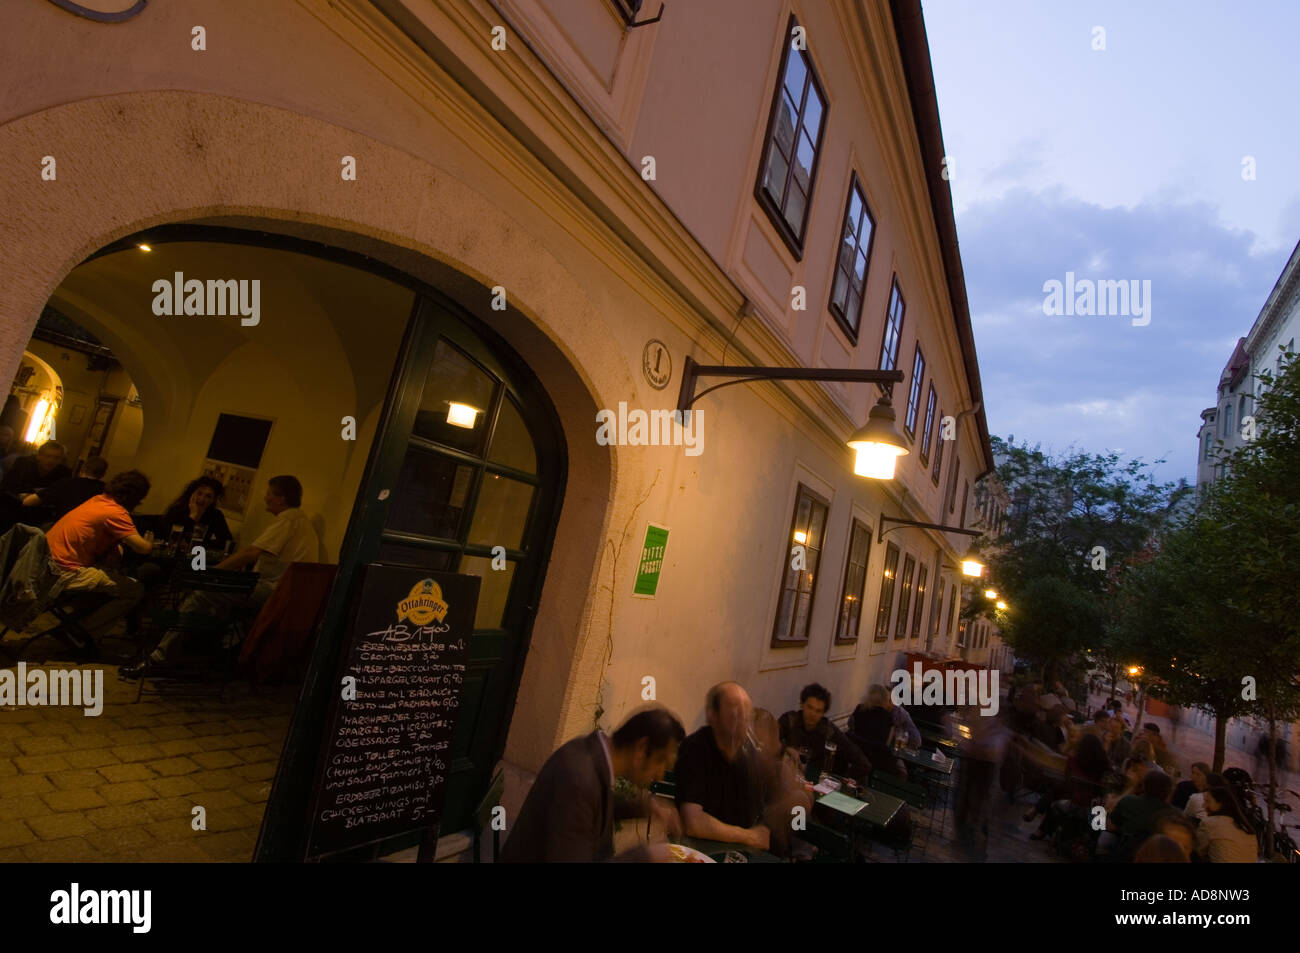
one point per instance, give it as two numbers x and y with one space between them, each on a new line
692 372
881 531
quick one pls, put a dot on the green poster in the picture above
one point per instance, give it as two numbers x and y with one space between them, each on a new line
652 561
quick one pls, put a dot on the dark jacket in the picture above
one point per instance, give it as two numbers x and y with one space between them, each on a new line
24 476
33 581
849 759
568 815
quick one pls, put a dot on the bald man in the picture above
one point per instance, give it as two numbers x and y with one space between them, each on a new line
719 793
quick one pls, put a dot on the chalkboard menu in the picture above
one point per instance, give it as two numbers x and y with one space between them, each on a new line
388 749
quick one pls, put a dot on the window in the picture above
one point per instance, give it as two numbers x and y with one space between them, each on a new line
929 422
854 258
914 392
1209 442
794 139
920 601
1227 420
893 329
807 530
965 494
938 451
952 494
886 592
952 605
905 598
938 615
855 583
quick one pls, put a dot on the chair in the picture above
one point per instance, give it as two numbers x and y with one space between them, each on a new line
911 794
220 655
280 640
31 588
483 816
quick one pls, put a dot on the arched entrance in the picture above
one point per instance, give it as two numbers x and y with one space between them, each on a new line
458 494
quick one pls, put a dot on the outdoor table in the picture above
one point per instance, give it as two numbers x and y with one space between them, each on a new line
878 810
717 850
942 769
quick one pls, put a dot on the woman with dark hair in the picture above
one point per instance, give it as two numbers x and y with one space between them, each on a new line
1084 770
197 506
1225 836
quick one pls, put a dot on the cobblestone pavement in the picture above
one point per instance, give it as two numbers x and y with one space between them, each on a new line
122 786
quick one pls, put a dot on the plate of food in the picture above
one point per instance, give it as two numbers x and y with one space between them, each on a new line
689 855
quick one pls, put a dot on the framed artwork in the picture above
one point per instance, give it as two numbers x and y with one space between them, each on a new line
238 482
78 413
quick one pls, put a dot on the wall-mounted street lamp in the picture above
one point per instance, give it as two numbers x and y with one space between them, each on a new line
971 564
877 444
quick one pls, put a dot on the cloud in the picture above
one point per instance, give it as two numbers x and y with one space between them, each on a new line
1100 381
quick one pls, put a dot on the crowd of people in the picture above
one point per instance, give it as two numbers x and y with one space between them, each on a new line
89 525
1102 768
737 779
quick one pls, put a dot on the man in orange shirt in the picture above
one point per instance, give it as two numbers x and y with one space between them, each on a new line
93 530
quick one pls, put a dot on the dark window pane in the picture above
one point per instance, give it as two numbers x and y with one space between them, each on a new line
812 113
512 446
794 209
804 163
840 290
774 181
430 496
796 75
785 119
397 554
493 592
887 581
905 597
453 377
501 513
920 601
855 212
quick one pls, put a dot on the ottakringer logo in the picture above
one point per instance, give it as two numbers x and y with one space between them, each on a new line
424 604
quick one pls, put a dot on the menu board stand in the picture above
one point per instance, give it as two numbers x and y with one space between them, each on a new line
385 758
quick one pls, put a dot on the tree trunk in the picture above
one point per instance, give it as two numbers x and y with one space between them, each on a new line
1220 739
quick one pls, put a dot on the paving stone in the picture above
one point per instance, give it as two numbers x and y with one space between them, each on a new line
174 787
24 784
234 846
79 800
208 729
41 763
68 850
220 780
254 793
8 749
12 855
258 753
15 833
172 852
55 826
171 732
217 800
119 815
247 738
171 767
180 746
137 752
172 829
135 771
219 742
7 768
21 808
131 736
9 731
263 771
163 809
50 727
41 744
94 758
121 840
217 759
76 780
84 742
126 792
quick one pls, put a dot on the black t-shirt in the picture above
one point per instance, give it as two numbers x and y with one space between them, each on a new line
728 791
67 495
25 476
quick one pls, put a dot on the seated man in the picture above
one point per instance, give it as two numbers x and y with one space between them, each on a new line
871 727
718 788
290 538
808 731
27 475
1165 758
59 498
93 530
569 813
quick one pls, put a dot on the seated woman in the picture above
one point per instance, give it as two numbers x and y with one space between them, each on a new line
195 507
1225 836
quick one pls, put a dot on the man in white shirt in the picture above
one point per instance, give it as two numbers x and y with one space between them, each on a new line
289 539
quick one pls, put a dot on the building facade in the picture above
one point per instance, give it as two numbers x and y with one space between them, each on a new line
541 208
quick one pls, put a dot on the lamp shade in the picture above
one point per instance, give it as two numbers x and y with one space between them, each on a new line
462 415
877 443
971 564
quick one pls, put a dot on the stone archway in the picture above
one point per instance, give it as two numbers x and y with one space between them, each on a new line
132 161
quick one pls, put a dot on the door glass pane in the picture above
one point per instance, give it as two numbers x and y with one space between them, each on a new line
454 378
493 592
430 496
501 512
511 444
395 554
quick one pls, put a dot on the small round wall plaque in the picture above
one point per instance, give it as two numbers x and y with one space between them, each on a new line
656 364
